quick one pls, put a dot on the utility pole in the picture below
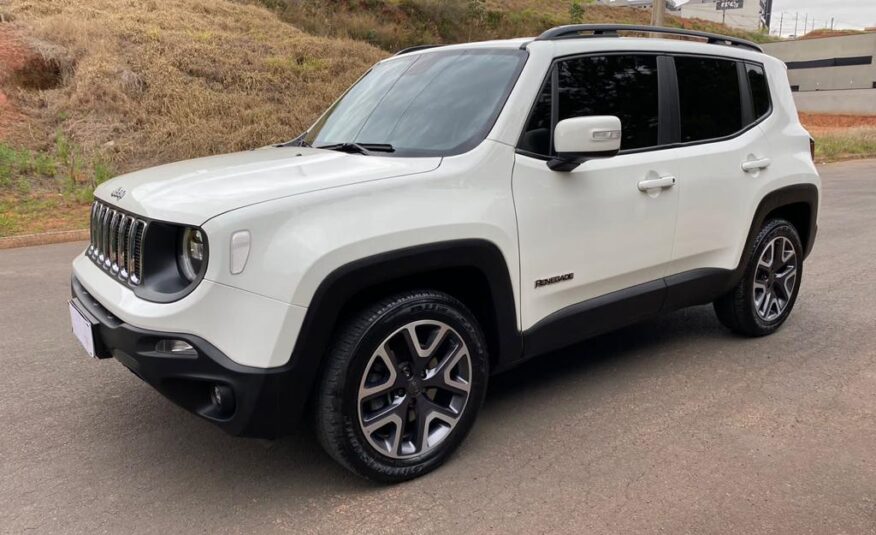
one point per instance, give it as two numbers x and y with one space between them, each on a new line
805 23
658 7
796 19
831 23
781 22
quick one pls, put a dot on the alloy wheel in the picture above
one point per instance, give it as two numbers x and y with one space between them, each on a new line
414 389
775 278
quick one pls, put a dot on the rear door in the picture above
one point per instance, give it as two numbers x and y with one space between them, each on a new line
722 160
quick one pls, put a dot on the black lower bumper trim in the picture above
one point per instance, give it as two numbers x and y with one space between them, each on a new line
267 403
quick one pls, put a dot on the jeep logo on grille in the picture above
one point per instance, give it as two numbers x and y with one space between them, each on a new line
118 193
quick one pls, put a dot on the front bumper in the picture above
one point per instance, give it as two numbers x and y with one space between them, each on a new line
268 402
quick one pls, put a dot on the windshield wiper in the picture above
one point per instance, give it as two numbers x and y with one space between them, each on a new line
297 142
361 148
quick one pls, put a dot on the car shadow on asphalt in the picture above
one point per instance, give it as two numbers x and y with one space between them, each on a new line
623 348
183 443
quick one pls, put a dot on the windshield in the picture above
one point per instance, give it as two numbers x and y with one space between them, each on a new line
434 104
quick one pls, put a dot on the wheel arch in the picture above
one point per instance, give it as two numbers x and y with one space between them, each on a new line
473 271
798 204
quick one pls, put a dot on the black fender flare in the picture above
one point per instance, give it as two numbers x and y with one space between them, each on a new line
795 194
345 282
704 285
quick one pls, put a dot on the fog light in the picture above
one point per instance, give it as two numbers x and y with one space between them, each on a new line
175 347
223 398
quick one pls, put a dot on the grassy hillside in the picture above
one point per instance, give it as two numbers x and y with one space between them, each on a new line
105 86
93 88
159 80
395 24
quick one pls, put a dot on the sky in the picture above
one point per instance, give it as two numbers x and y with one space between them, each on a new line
856 14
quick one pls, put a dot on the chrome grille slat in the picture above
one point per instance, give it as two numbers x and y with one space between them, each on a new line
114 241
118 259
117 242
93 247
101 215
130 264
139 234
105 231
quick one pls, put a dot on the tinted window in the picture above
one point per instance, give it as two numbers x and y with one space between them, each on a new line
426 104
624 86
709 97
536 137
760 92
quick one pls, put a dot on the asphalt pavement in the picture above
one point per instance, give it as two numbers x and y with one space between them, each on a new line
671 426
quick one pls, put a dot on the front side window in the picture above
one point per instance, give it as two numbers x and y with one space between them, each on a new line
709 98
538 134
625 86
433 104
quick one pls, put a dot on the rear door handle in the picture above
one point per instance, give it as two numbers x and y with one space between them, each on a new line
657 183
756 165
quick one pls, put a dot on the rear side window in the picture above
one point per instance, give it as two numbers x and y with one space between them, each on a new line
623 85
709 98
760 93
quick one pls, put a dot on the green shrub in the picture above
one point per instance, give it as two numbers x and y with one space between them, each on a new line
576 12
853 143
74 175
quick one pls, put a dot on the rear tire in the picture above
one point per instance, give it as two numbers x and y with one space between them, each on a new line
402 386
762 300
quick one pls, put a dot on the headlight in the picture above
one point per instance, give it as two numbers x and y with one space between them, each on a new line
192 253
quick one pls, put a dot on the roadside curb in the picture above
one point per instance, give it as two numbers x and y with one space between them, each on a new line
45 238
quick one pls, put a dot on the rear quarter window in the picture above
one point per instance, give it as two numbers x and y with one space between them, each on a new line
760 92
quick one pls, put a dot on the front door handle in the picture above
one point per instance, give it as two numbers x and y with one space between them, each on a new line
756 165
657 183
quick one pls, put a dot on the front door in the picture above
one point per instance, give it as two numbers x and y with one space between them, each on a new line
600 228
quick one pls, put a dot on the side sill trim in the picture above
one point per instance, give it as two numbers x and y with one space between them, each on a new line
576 323
580 321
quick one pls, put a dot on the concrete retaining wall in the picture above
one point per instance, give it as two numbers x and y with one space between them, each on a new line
848 102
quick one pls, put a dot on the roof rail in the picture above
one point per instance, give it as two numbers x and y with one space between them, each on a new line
414 49
573 31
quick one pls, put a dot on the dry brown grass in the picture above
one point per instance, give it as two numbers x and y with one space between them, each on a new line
395 24
139 82
852 143
99 87
818 34
146 81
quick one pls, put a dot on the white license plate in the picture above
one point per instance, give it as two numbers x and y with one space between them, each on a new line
82 328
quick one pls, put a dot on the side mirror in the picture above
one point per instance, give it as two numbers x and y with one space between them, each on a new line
585 138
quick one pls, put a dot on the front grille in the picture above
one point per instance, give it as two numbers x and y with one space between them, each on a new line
117 242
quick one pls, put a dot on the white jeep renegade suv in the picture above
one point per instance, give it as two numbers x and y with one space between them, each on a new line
457 211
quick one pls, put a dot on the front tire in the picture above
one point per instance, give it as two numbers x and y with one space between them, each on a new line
402 386
761 302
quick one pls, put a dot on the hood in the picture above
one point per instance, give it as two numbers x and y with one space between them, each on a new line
193 191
